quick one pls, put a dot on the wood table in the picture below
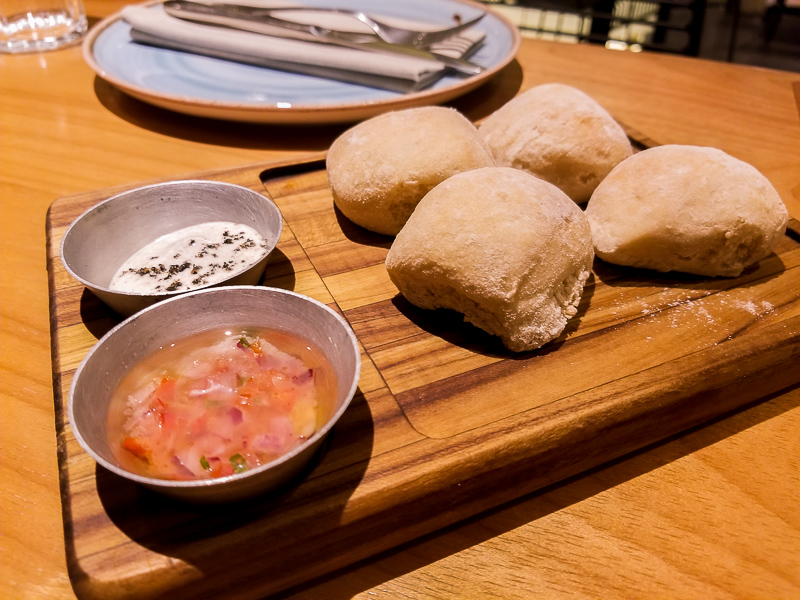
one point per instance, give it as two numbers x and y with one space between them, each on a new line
713 512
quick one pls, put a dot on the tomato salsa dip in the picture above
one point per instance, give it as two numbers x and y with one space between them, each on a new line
218 403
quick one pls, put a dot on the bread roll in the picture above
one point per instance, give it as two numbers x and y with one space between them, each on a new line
686 208
559 134
380 169
508 250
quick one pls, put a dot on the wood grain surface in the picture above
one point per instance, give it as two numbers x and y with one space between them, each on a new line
445 424
710 513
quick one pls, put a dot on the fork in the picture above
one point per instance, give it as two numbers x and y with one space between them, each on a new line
402 36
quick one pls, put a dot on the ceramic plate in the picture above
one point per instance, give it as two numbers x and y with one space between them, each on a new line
210 87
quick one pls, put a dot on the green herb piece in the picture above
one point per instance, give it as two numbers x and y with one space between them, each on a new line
243 341
204 463
239 463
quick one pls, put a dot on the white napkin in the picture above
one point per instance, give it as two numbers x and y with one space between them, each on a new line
152 25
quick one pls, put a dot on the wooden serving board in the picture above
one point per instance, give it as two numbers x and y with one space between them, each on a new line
445 423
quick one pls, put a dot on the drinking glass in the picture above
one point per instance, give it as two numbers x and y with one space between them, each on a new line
35 25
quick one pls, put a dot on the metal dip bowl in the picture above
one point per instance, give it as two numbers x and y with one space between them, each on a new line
162 324
99 241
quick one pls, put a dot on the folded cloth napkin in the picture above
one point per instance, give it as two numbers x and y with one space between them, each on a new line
295 52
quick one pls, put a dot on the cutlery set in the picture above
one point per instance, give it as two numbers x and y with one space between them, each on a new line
373 34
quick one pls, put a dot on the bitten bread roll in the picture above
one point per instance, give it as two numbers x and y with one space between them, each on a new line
508 250
686 208
559 134
380 169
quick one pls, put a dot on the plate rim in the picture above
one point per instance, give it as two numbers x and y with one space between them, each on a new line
296 114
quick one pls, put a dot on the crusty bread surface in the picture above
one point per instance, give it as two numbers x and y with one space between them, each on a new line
381 168
560 134
686 208
508 250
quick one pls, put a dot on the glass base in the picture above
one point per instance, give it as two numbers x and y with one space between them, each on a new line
37 32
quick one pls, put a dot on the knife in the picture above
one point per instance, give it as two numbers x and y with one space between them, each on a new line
254 19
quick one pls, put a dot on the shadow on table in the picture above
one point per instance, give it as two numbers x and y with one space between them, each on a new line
476 105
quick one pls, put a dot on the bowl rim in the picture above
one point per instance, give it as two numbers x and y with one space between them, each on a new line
93 208
155 482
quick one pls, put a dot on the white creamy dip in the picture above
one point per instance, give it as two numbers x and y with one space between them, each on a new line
190 257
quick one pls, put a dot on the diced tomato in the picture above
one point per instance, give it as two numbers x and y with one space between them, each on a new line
157 411
137 447
169 420
283 399
165 391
